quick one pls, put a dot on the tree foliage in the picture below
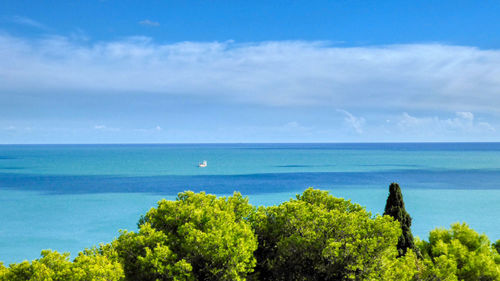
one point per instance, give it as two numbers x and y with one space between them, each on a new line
312 237
320 237
460 253
395 207
53 266
196 237
497 245
3 270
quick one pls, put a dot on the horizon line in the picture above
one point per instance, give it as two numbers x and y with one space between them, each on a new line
195 143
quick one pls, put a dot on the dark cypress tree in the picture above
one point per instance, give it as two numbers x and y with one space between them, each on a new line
395 207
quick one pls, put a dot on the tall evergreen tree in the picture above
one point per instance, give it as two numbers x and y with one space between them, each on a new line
395 207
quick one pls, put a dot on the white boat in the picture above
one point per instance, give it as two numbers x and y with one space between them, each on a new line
203 164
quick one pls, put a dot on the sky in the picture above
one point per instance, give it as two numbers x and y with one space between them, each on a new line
249 71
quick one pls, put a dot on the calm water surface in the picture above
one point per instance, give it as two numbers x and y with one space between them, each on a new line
68 197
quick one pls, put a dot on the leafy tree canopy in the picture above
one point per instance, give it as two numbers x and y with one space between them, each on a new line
320 237
497 245
312 237
460 253
196 237
53 266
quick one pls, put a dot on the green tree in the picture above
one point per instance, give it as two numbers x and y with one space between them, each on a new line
395 207
460 254
53 266
3 270
320 237
312 237
497 245
93 265
146 256
407 267
196 237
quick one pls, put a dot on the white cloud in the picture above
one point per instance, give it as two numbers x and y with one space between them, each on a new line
27 22
106 128
293 127
149 22
283 73
462 123
158 128
352 121
465 116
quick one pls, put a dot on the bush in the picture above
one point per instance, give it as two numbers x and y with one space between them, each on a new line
312 237
460 253
196 237
320 237
57 267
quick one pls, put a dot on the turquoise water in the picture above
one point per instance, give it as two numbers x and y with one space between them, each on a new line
68 197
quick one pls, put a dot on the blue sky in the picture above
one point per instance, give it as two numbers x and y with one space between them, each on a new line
249 71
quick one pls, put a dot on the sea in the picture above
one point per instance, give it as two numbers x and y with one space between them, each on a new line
71 197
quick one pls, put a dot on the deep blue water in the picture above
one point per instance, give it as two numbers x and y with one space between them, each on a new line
67 197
